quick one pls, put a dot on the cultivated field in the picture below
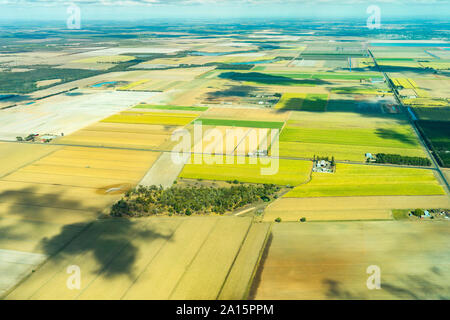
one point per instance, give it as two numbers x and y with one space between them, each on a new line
306 135
330 260
133 117
348 208
303 102
290 172
363 180
110 134
158 258
65 114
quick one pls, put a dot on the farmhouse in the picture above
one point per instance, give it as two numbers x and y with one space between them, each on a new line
323 166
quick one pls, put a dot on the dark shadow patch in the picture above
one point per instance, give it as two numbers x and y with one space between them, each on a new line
390 134
258 275
263 78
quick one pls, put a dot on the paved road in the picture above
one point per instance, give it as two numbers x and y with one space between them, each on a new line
271 157
435 164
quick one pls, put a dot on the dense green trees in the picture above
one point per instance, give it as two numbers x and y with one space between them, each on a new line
398 159
145 201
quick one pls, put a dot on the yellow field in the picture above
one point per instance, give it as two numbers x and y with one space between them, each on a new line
246 114
406 83
133 84
121 135
365 180
348 208
105 59
158 258
284 172
15 155
74 178
132 117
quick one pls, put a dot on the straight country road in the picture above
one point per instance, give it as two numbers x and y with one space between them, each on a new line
412 121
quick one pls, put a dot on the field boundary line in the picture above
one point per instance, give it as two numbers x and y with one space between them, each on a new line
246 156
30 162
258 261
234 260
151 260
193 258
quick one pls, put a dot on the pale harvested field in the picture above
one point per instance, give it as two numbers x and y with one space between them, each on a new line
179 74
163 172
64 114
348 208
254 114
14 266
330 260
232 140
156 258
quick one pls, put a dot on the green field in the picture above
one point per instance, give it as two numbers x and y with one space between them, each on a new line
329 76
360 90
433 114
160 107
241 123
303 102
363 180
305 136
290 172
437 134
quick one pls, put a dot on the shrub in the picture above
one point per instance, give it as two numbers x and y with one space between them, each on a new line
303 219
418 212
278 219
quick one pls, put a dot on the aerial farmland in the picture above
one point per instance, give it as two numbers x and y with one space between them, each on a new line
224 163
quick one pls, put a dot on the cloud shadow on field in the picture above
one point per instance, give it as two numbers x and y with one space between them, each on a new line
269 79
113 244
390 134
335 290
114 239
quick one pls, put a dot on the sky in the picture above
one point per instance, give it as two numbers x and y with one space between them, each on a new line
30 10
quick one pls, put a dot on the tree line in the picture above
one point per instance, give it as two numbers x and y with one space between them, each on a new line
188 200
398 159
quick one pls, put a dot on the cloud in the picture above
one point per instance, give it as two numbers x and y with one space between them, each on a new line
211 2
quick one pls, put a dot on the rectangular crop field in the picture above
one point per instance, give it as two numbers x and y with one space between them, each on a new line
163 107
306 135
281 171
303 102
173 119
348 208
107 134
438 135
330 261
241 123
365 180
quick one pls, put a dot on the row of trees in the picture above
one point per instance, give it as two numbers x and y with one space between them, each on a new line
398 159
146 201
